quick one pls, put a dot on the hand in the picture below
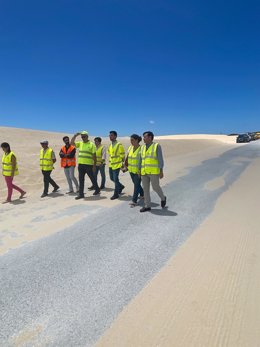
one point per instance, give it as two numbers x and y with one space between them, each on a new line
161 174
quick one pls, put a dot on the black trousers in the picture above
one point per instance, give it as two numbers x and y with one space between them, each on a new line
48 180
83 170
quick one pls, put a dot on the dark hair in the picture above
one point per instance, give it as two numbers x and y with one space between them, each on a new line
113 132
98 139
149 133
136 137
65 137
6 145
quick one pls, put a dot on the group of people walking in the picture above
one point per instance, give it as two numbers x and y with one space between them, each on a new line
144 163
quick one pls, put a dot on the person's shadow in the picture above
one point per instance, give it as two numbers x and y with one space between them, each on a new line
124 197
55 195
94 197
107 189
17 202
163 212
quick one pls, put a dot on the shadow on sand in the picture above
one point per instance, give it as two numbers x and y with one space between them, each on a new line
163 212
17 202
94 198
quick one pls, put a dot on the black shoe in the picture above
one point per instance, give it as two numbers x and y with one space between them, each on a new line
102 187
91 188
55 189
96 192
121 189
79 197
114 197
43 195
145 209
163 203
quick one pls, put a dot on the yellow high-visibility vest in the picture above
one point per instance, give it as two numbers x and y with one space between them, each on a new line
116 155
150 164
86 151
46 162
133 159
99 155
7 165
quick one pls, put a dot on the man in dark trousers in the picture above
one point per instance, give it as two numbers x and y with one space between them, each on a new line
86 162
47 159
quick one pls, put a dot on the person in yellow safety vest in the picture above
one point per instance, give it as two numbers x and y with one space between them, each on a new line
131 162
47 159
68 162
151 170
116 158
86 162
101 162
9 170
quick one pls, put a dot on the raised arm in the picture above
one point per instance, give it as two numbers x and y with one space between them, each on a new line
74 138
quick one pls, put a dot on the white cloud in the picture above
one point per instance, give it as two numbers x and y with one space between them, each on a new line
151 121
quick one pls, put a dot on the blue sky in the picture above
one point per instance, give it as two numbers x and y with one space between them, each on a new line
172 67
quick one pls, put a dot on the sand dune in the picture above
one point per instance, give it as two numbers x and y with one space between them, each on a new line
33 218
207 294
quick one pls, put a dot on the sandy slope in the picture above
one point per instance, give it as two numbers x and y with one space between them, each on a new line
209 292
33 217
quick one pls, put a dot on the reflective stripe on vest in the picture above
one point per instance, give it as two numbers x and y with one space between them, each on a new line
86 153
68 161
115 157
150 164
46 162
133 159
99 155
7 165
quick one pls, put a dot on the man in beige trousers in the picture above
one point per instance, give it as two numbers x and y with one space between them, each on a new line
151 169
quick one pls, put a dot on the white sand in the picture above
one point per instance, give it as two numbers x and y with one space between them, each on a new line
207 294
33 217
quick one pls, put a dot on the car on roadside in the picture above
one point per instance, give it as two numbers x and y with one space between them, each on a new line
243 138
254 136
257 136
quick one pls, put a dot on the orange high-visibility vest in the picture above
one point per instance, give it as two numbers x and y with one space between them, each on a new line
68 161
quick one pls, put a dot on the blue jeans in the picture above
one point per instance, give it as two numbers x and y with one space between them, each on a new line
69 173
114 176
137 186
101 168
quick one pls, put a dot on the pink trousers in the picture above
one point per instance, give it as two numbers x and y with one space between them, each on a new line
11 186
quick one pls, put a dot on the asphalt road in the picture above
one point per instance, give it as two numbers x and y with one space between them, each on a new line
66 289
